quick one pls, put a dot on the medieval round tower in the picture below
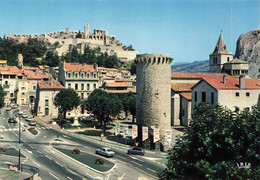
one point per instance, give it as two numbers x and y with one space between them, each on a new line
153 103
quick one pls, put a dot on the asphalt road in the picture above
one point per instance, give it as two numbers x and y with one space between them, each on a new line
54 165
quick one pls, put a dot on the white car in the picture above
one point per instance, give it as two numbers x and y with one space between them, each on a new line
8 109
24 115
121 134
105 152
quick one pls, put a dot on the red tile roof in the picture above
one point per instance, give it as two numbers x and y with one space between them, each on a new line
35 75
50 84
232 83
186 95
117 84
175 75
182 86
78 67
120 80
10 70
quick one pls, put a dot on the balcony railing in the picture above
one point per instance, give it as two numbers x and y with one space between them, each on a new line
6 85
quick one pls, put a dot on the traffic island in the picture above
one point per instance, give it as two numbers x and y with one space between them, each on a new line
33 131
89 160
12 152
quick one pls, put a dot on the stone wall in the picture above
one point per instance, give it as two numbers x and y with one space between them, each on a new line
153 105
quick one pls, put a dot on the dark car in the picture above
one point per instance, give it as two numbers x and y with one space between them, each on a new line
11 120
136 150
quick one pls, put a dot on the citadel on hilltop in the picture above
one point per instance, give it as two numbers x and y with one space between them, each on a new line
63 41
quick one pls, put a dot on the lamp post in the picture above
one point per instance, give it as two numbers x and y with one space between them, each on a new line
19 136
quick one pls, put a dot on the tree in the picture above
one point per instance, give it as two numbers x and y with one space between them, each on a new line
56 44
2 94
51 59
217 140
129 103
79 35
66 100
103 105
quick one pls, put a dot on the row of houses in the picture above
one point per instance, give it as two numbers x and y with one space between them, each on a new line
37 87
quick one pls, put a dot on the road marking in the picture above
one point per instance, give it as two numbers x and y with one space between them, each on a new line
69 178
121 157
28 151
58 163
122 177
107 178
48 157
151 169
39 151
36 163
136 158
41 121
43 128
66 136
94 177
53 175
137 163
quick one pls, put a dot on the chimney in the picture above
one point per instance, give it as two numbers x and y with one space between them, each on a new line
224 79
242 82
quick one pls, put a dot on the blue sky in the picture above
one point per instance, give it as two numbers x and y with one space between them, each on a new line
186 29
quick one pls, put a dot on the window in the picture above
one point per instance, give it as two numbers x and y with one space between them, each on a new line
87 75
82 86
82 95
195 96
76 86
203 96
6 76
248 94
94 86
227 59
23 93
12 94
76 75
69 85
82 75
23 88
94 75
34 87
237 94
46 102
212 97
6 82
68 75
87 86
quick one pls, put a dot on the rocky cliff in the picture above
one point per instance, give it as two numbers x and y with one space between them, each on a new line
248 49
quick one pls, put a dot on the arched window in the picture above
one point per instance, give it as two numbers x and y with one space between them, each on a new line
82 75
227 59
76 75
88 75
68 74
94 75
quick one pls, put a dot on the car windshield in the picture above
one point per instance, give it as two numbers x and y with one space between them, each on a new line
109 150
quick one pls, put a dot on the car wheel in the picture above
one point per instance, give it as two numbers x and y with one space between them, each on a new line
128 153
142 154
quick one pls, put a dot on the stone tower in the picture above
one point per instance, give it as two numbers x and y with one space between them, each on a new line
219 57
20 60
153 103
86 31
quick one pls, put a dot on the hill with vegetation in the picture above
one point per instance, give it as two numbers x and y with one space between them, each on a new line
194 67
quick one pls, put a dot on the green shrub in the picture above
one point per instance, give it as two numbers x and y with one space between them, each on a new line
75 151
99 161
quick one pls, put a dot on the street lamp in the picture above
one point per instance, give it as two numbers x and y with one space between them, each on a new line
19 159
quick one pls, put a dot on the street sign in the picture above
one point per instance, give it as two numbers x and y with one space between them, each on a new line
134 131
145 133
156 135
168 135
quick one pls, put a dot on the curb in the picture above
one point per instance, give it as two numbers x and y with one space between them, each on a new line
83 163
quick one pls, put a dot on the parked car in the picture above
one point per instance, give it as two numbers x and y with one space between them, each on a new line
32 123
14 106
121 134
136 150
105 152
24 115
29 118
8 109
11 120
